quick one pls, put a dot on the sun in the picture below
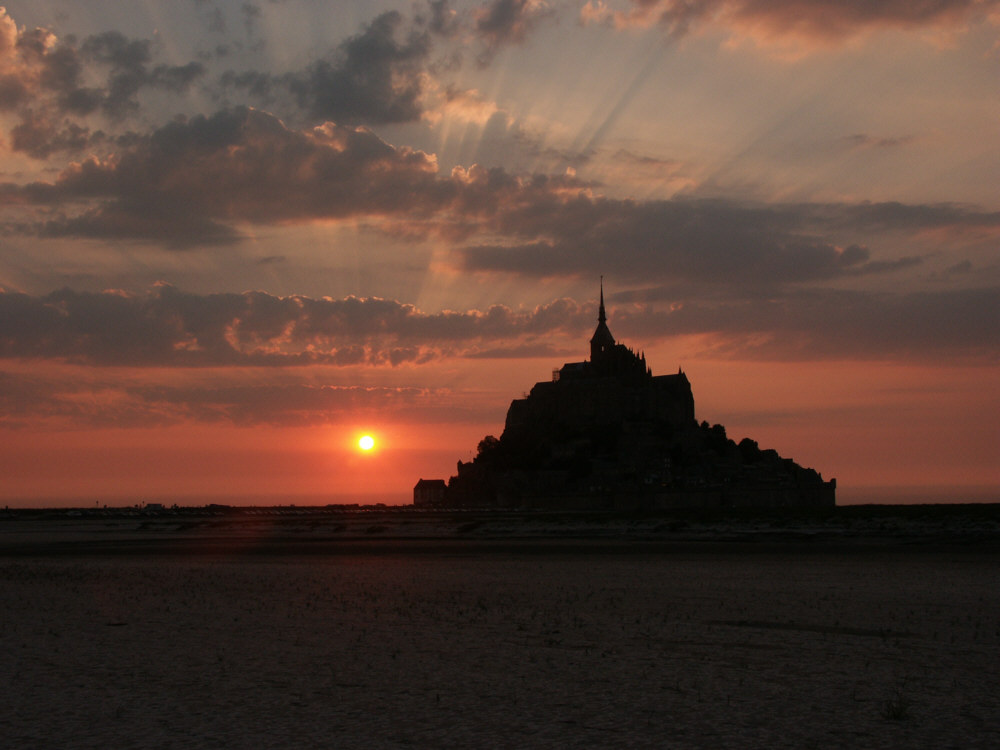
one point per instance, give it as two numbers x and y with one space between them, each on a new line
366 443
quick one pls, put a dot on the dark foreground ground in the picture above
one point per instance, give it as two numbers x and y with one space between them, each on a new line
287 530
871 628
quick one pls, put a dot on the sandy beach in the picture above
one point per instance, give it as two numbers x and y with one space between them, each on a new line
502 641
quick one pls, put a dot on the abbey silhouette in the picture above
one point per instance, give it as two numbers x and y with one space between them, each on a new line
606 433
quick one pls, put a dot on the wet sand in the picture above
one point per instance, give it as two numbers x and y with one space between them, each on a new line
241 636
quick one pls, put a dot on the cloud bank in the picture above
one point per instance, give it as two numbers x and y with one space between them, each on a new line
169 328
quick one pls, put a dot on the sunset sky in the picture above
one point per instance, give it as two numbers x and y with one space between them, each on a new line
238 236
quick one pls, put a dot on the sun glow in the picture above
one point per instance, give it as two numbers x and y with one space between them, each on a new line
366 443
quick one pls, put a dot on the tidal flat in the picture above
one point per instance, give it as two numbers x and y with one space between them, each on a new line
440 643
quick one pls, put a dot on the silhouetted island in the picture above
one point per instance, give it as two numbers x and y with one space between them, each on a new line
608 434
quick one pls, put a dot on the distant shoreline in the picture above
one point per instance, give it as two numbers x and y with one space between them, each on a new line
220 530
847 496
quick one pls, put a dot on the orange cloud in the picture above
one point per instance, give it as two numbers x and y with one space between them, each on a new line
791 25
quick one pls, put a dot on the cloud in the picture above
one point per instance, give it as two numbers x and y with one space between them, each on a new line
380 75
251 17
389 71
799 22
501 23
166 327
375 77
92 398
58 87
51 83
943 327
440 18
39 136
191 179
863 140
285 404
197 181
129 63
895 216
233 336
169 328
707 241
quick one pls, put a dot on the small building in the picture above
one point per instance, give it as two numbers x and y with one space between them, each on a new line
429 492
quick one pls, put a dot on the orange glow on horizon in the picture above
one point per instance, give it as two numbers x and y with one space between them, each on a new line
870 424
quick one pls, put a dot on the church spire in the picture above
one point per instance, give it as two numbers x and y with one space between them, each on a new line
601 316
602 342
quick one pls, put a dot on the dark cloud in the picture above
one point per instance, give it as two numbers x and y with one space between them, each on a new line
216 21
960 268
896 216
646 161
140 219
251 17
504 22
191 180
822 21
709 241
169 328
943 327
374 78
49 82
38 136
129 62
863 140
380 75
188 181
439 18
